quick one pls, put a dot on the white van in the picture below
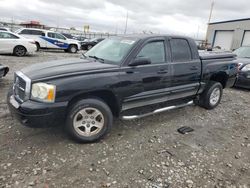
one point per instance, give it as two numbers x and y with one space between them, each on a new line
50 39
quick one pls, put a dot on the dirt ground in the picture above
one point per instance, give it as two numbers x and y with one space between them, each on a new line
148 152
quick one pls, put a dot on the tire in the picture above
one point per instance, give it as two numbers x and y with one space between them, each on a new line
19 51
83 126
89 47
211 97
37 46
72 48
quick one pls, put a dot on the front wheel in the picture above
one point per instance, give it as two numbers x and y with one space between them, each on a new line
89 120
212 95
72 49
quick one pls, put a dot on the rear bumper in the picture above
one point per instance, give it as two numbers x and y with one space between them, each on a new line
31 49
243 80
35 114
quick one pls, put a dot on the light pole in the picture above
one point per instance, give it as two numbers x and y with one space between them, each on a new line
126 25
209 20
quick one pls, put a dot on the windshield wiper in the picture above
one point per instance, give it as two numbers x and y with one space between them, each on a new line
84 56
97 58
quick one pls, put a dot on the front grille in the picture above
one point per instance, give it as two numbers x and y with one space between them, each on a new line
20 86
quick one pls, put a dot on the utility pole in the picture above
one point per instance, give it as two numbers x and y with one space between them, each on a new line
209 20
126 24
198 32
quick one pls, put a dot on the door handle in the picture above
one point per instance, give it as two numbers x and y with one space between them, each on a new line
162 71
194 68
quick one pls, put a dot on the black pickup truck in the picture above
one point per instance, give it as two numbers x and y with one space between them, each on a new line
115 76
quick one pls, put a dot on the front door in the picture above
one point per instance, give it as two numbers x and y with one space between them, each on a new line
153 78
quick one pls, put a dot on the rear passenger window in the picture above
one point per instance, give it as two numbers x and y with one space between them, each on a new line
155 51
25 32
51 35
180 50
36 32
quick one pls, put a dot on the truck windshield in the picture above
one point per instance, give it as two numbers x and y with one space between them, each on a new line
243 52
111 50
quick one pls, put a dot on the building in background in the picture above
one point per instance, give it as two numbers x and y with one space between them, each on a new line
32 24
229 35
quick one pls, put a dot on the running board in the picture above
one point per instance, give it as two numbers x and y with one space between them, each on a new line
157 111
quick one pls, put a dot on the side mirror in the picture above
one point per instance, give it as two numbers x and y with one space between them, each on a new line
140 61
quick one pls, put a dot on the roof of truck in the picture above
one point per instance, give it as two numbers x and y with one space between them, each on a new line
145 36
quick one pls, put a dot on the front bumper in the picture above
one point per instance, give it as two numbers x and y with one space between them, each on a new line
243 80
36 114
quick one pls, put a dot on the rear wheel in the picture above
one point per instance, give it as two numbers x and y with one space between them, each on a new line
19 51
37 46
89 120
211 97
72 49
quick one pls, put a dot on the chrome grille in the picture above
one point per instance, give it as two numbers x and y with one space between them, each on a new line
21 86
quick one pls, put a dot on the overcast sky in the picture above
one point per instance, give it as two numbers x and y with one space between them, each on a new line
158 16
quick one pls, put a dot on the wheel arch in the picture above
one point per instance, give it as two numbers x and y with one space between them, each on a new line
220 77
105 95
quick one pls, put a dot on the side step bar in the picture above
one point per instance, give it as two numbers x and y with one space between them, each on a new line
157 111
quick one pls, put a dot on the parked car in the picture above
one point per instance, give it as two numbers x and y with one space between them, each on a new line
69 36
15 44
50 40
118 75
88 44
81 38
243 54
3 70
4 29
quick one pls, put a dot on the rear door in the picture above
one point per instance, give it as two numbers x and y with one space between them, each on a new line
154 77
51 40
185 69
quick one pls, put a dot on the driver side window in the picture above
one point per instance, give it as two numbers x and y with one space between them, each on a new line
155 51
58 36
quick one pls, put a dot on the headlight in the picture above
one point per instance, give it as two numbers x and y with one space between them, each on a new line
246 68
43 92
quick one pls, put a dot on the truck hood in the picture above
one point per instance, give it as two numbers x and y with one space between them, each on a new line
64 67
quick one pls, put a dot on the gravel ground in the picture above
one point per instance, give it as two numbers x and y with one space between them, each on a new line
144 153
